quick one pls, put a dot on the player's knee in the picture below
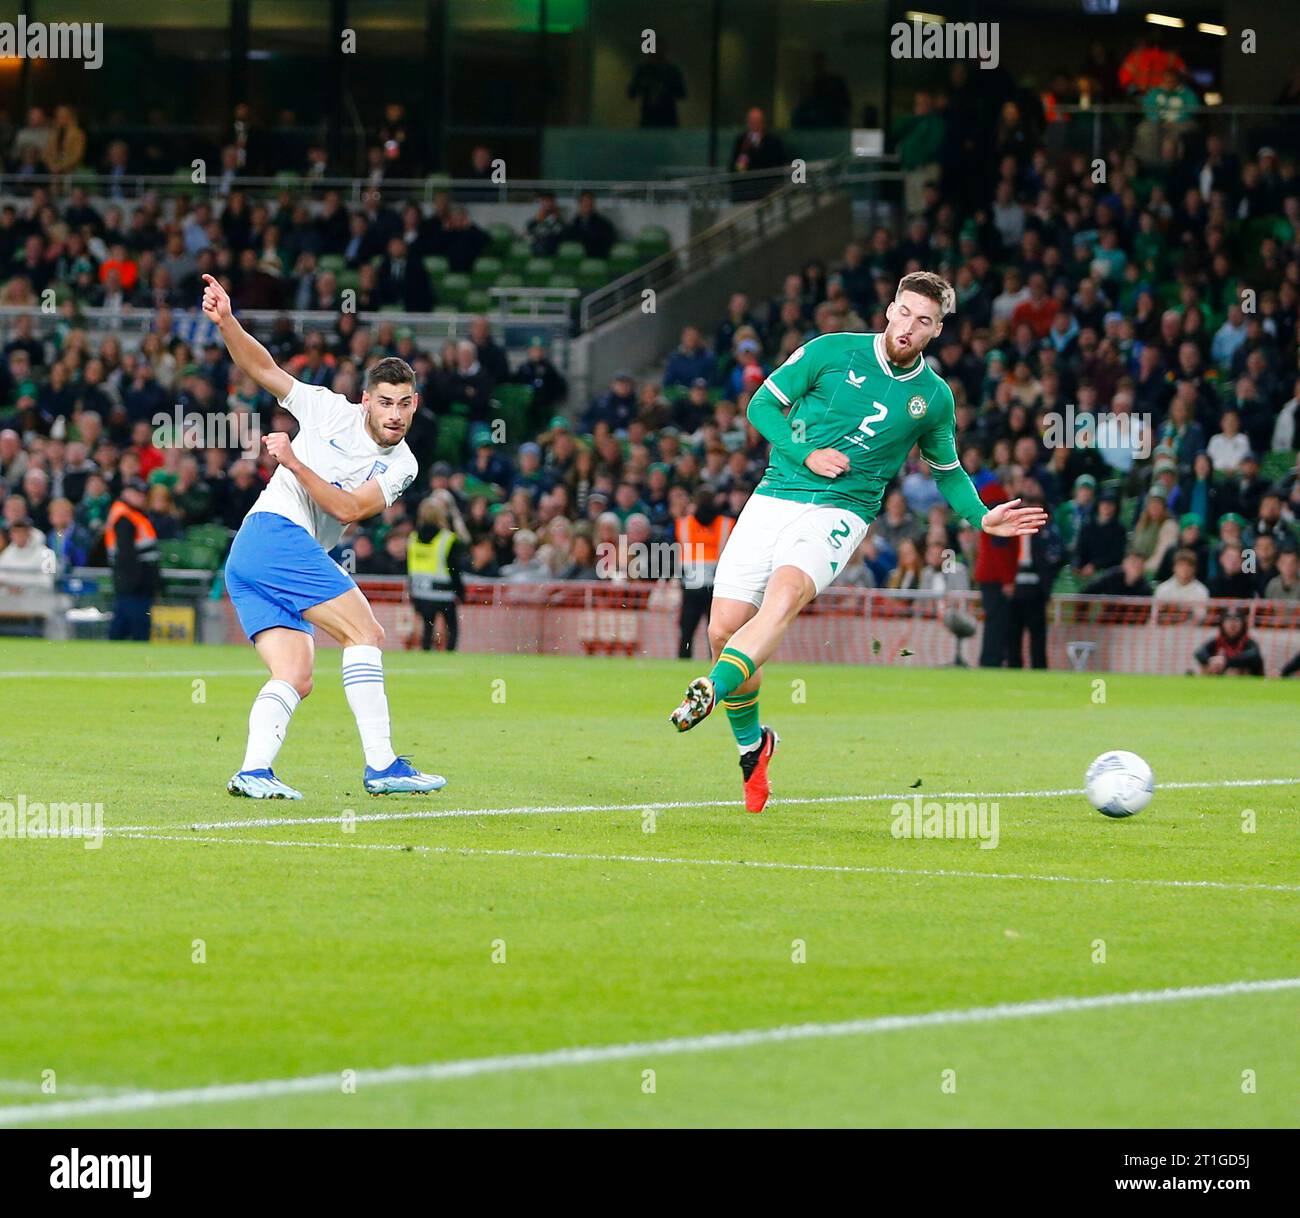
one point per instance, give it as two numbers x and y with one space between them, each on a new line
303 684
719 634
372 634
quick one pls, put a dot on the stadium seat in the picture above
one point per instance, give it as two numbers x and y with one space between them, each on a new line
569 255
436 265
453 435
453 289
348 280
511 403
1276 465
501 238
332 262
562 281
653 241
477 300
518 255
509 279
623 259
485 272
593 273
537 271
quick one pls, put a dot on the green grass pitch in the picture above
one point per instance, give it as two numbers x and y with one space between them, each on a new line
598 921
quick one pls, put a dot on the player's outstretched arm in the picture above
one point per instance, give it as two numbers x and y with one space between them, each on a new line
249 355
345 506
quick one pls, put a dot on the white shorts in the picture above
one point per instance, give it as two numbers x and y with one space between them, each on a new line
772 533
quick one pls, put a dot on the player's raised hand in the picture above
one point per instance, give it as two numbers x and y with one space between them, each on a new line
278 446
828 462
216 302
1011 520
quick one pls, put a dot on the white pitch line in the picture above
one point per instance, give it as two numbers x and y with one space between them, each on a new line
834 868
16 674
652 1050
17 1086
272 822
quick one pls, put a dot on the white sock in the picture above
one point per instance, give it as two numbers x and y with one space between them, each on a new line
363 683
749 748
268 722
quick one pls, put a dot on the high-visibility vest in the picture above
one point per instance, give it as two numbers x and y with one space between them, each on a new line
146 536
426 565
701 546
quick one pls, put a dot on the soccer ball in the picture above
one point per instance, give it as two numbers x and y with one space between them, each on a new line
1119 784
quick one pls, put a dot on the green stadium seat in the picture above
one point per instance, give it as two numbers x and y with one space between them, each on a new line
477 300
518 255
653 241
454 288
485 272
593 273
1274 466
537 271
392 308
501 238
562 281
348 280
436 265
512 403
623 259
332 262
509 279
570 254
453 436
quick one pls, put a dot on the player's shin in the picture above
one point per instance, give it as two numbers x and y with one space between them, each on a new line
363 684
268 721
731 671
742 714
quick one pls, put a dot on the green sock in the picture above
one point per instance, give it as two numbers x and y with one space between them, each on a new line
733 669
742 714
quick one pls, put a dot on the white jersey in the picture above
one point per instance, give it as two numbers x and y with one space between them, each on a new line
333 443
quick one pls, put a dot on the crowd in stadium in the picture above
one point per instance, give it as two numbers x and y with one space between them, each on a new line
1163 299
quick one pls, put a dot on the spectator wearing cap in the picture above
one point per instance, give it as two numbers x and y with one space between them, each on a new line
1244 491
1155 530
1183 587
1231 652
1191 538
531 477
616 407
487 463
738 317
749 372
1102 541
1073 516
1285 585
538 372
690 361
1127 578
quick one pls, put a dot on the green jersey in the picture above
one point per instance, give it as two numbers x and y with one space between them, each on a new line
843 393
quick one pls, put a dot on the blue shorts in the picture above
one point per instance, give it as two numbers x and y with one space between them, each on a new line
275 570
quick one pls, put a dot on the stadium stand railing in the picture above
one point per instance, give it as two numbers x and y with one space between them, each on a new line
844 625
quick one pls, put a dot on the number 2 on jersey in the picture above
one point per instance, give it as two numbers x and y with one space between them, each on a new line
878 412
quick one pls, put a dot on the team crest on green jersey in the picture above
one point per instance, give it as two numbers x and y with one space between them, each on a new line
916 406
